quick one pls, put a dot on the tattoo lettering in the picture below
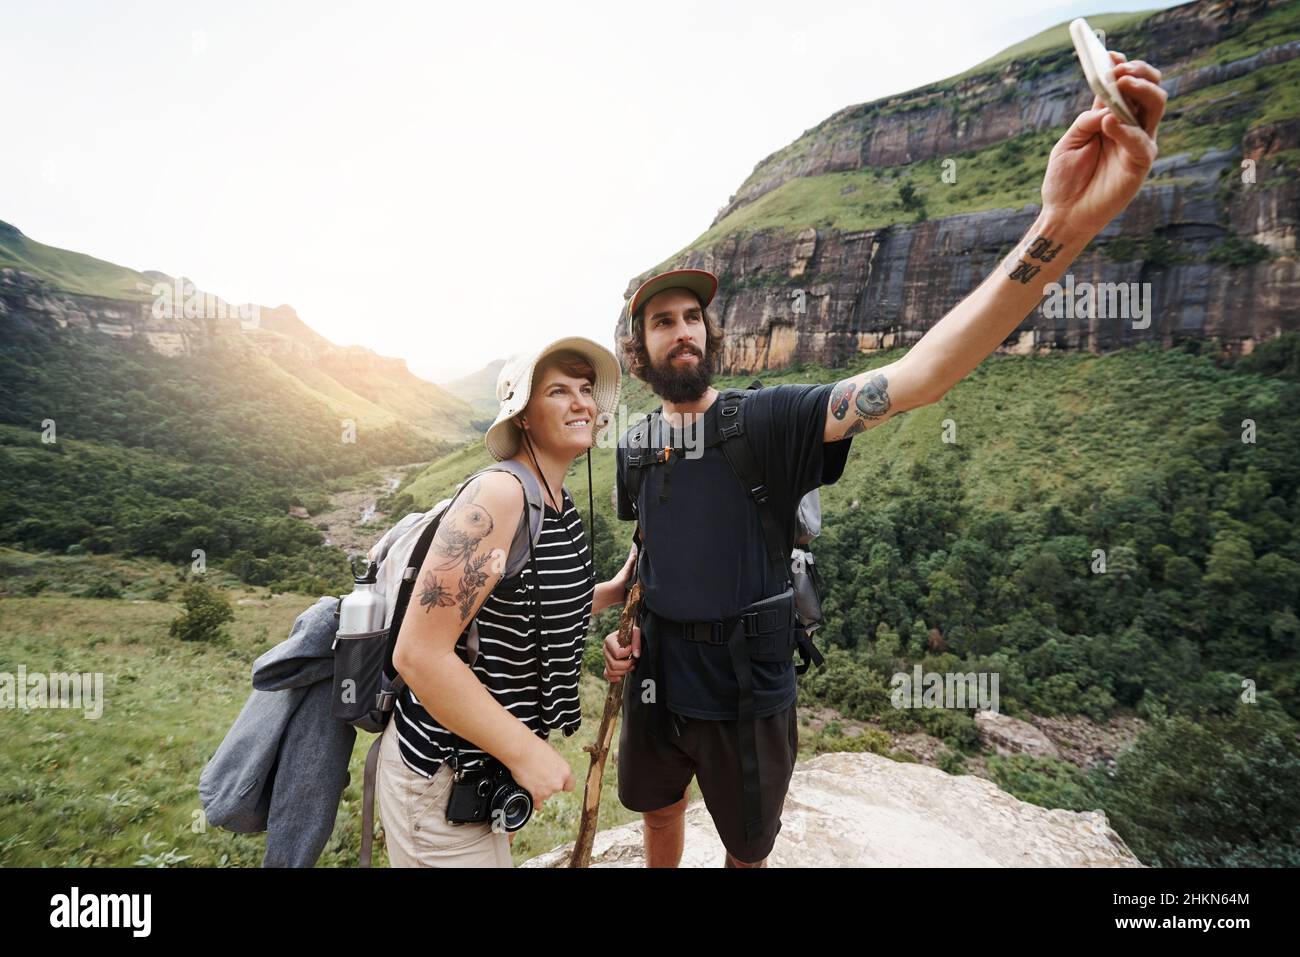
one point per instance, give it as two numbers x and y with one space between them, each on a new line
840 398
873 398
1040 249
1023 272
456 543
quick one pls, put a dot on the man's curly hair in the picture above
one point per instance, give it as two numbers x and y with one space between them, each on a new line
635 358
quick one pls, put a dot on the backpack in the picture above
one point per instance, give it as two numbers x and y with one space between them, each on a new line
808 519
366 685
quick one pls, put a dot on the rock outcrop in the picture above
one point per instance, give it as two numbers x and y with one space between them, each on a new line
864 810
1007 735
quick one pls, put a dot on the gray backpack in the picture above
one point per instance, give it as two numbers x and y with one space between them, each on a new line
366 684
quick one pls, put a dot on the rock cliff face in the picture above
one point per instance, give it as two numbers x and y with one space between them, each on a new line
823 294
277 331
864 810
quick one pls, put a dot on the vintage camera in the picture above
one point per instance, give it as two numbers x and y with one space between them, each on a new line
488 793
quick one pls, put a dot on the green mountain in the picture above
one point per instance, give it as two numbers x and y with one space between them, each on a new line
479 388
127 426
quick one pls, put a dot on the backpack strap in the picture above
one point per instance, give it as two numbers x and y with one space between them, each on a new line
368 778
740 455
520 553
638 455
743 462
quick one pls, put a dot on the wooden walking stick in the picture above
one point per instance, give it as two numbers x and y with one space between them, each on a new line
599 751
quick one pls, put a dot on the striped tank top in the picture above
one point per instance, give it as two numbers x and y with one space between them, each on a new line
508 663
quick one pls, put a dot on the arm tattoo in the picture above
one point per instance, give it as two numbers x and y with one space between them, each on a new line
872 402
473 579
840 397
456 543
873 398
1038 249
433 594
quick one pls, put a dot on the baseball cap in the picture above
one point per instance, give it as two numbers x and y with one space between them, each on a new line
699 281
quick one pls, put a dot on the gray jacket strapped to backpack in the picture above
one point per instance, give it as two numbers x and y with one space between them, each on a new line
283 764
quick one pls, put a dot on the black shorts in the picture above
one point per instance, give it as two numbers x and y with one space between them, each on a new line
659 752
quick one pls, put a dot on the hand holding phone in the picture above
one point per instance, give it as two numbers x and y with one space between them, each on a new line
1099 69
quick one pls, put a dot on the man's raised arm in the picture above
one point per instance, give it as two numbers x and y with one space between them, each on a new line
1094 171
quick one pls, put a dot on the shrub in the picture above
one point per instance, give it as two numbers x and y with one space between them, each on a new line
206 610
909 198
951 762
1047 782
100 589
1235 251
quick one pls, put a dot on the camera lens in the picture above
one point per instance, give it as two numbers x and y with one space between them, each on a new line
516 809
512 806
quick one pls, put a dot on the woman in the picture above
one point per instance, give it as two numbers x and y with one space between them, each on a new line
554 404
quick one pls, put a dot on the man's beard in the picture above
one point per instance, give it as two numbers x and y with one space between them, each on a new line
673 384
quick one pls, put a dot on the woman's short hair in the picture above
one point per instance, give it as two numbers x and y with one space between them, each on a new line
570 362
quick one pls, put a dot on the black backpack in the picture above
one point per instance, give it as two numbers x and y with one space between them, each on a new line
740 456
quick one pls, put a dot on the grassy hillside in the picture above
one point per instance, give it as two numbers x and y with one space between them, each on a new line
1054 39
122 790
372 392
411 400
479 388
75 272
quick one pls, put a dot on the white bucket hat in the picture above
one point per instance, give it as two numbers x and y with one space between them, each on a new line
514 384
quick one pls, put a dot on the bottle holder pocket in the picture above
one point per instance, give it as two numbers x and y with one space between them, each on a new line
807 590
359 680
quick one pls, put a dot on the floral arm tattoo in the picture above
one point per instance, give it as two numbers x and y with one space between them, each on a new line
456 544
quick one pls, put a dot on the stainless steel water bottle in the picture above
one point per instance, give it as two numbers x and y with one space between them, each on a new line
362 611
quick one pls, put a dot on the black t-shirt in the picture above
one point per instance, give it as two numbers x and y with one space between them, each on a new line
719 539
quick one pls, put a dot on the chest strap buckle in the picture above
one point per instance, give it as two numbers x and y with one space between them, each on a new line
705 632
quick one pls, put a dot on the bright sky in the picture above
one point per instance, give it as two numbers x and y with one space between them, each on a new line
445 183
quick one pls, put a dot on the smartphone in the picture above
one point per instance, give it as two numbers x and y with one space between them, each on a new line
1099 69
